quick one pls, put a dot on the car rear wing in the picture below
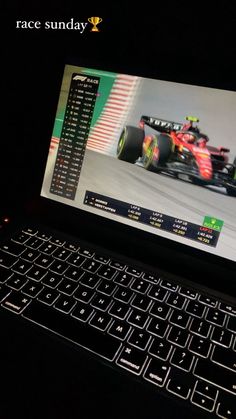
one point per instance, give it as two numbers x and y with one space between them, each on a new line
160 124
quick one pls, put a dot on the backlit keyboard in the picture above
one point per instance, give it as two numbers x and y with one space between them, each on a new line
172 336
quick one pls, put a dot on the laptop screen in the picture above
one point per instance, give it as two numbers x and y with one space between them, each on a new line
158 156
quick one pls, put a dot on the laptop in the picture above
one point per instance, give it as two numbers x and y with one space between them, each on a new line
129 252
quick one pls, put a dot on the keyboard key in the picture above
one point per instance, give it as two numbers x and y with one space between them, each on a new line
224 357
123 294
16 282
106 287
34 243
215 317
182 359
226 406
140 285
43 236
227 308
157 372
157 327
209 301
57 241
203 401
101 258
21 267
86 252
58 267
139 339
101 302
75 260
133 271
84 294
51 280
89 280
122 278
16 302
200 327
160 348
87 337
74 273
132 359
221 336
186 292
119 310
44 261
151 278
36 273
91 265
138 318
67 286
106 272
82 311
178 336
206 389
47 248
175 300
30 255
119 329
5 274
221 377
13 248
117 265
21 238
4 292
48 296
231 324
160 310
32 289
141 302
179 318
65 304
179 386
195 308
72 247
200 346
6 260
30 230
158 293
169 285
100 321
61 254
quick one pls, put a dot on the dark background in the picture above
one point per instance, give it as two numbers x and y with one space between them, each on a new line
40 378
176 42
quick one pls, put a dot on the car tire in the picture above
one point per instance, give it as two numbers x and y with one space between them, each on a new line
198 182
130 144
158 153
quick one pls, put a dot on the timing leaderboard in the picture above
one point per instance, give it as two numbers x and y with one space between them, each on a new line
75 130
154 219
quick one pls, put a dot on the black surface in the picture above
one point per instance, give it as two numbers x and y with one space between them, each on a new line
41 377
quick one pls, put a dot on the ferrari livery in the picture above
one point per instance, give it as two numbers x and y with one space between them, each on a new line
178 149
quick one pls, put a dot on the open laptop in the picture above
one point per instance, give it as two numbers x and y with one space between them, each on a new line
129 252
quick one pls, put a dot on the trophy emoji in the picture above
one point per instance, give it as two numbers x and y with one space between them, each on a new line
95 21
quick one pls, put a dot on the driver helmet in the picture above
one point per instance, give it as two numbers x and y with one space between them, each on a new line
188 137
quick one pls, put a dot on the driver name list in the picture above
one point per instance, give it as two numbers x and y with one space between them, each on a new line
154 219
75 130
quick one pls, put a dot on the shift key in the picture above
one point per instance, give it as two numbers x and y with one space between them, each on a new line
215 374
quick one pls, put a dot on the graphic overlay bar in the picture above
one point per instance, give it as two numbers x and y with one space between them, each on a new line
182 228
75 130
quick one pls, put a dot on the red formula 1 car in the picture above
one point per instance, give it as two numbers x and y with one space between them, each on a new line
178 149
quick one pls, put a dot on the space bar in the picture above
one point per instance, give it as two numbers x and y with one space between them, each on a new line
70 328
